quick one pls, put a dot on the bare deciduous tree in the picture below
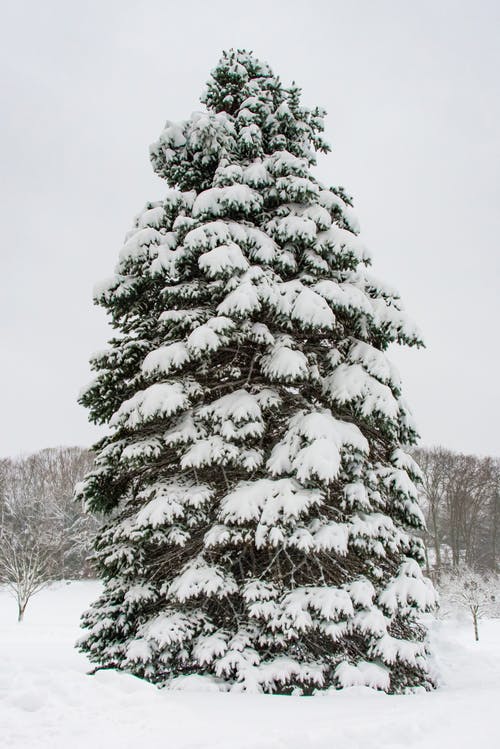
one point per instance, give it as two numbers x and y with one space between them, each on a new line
24 569
435 467
473 591
44 533
460 499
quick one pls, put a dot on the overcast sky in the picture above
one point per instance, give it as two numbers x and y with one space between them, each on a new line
412 94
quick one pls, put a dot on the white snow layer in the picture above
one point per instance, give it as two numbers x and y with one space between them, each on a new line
47 701
312 446
159 400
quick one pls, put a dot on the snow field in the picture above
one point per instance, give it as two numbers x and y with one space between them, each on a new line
48 701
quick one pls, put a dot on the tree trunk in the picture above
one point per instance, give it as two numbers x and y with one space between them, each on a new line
476 628
437 540
494 531
21 608
427 565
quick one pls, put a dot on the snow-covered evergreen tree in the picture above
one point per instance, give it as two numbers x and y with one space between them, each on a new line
260 504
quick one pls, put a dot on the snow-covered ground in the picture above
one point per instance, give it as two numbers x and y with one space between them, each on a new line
47 700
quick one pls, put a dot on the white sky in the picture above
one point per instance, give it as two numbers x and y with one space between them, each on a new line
412 93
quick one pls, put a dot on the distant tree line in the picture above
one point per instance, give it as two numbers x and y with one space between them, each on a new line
460 498
45 534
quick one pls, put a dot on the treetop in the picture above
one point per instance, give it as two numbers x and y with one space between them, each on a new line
250 115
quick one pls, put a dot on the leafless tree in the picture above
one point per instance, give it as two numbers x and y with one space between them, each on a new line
436 467
24 569
28 545
44 533
460 498
473 591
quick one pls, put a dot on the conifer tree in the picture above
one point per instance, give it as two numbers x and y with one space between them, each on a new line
260 505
